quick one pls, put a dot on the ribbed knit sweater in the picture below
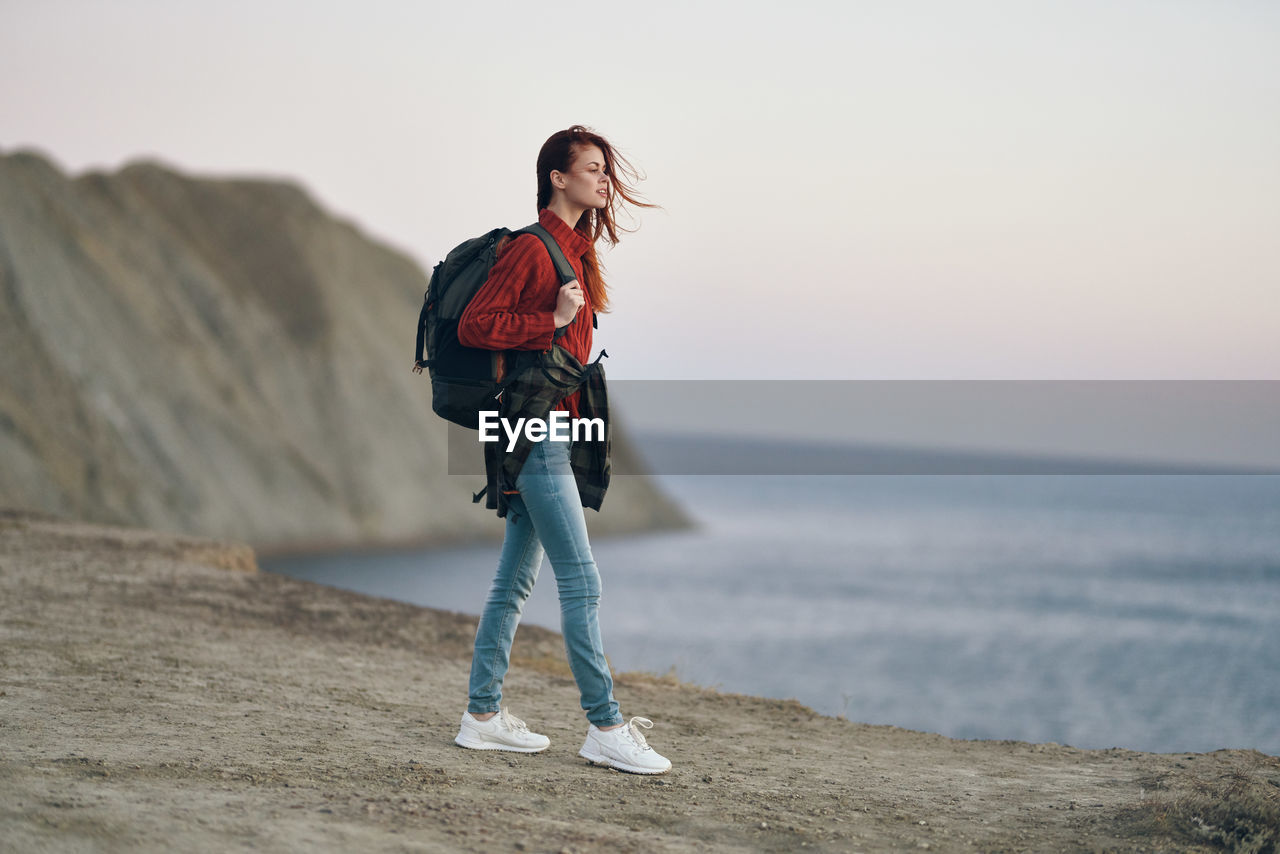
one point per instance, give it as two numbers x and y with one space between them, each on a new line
515 308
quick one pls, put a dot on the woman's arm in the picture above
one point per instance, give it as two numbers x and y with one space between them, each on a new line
493 319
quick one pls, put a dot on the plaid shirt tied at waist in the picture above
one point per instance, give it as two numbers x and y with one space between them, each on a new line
538 382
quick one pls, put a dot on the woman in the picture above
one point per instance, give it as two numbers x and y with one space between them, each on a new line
523 307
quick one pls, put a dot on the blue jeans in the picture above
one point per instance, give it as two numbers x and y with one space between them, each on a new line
545 518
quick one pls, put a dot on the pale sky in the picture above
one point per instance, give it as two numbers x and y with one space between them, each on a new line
879 190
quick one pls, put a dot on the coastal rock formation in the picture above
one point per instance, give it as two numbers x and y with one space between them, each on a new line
223 358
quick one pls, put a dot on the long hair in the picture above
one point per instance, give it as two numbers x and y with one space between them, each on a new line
557 155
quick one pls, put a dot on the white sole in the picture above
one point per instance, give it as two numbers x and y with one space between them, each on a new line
477 744
606 762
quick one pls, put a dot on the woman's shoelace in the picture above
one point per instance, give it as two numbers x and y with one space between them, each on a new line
633 727
512 722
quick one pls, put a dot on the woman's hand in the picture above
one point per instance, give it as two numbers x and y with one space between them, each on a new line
568 302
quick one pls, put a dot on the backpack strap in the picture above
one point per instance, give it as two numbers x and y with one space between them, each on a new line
563 269
420 343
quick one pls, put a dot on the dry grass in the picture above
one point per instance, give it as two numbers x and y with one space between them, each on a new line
643 677
547 665
1237 811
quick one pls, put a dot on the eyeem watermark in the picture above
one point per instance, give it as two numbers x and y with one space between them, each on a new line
558 428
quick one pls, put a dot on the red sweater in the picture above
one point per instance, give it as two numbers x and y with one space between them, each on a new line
515 308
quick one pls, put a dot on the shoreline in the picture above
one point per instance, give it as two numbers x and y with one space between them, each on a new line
423 543
160 691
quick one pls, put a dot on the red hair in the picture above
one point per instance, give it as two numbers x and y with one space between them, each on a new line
557 155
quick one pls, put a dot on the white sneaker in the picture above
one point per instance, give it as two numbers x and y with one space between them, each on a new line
503 731
624 748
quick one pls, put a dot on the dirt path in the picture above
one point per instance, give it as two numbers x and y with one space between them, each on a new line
158 693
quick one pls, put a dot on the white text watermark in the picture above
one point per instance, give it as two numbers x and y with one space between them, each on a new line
558 428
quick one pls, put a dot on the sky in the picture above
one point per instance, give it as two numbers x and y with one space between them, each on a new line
854 190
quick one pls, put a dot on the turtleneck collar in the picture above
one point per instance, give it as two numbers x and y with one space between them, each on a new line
570 240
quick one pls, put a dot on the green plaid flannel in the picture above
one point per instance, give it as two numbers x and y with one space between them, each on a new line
539 382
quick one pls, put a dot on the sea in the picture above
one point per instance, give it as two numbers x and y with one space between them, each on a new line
1095 610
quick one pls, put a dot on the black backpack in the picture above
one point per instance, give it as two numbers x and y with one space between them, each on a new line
464 380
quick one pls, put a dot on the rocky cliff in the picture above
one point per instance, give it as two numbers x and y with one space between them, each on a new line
224 358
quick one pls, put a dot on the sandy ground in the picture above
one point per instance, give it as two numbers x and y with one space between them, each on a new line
158 693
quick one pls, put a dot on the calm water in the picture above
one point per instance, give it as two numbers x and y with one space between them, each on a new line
1097 611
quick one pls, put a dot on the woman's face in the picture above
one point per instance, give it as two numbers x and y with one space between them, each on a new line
586 184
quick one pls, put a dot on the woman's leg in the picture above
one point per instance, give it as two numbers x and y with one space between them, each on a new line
517 571
550 494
